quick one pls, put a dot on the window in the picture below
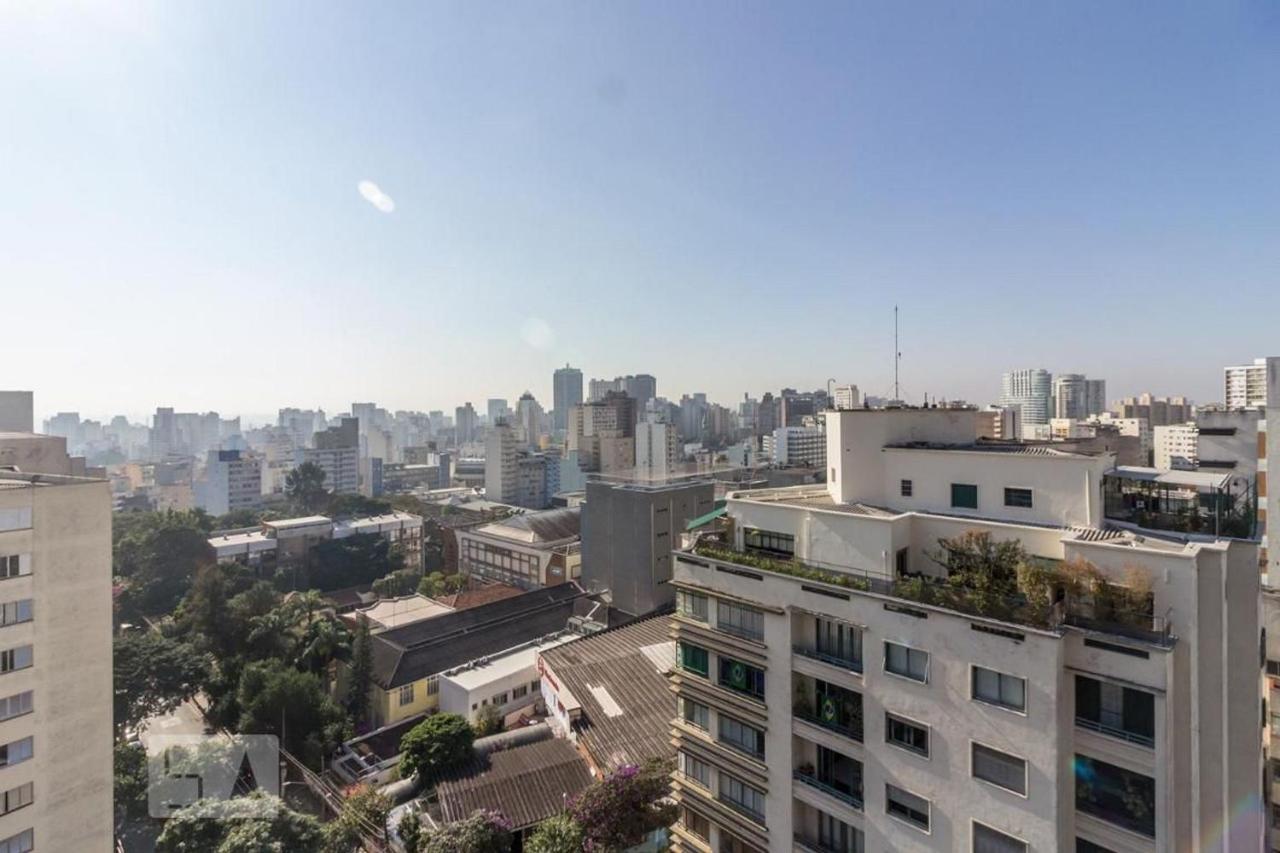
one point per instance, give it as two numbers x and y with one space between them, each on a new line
16 752
1273 667
16 658
695 824
906 487
742 797
833 708
741 677
694 659
535 686
1020 498
698 771
695 713
23 842
16 798
834 834
1116 795
520 692
502 698
999 768
433 685
406 695
729 844
964 496
906 661
987 840
906 734
16 705
740 621
1116 711
783 544
838 643
691 605
742 737
1083 846
906 806
11 567
997 688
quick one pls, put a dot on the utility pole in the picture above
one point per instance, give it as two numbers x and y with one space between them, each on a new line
897 355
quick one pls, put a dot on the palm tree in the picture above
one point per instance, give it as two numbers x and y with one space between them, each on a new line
323 641
305 486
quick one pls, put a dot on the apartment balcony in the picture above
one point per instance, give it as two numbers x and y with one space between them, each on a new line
823 830
828 706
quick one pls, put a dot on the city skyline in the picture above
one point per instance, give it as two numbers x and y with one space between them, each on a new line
575 184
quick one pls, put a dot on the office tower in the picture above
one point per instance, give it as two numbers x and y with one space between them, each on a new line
530 417
627 535
1032 391
16 411
1077 397
847 397
164 434
642 388
1095 396
1157 411
1246 384
767 415
657 451
464 424
796 406
55 660
232 480
834 693
603 433
500 468
566 393
336 451
497 410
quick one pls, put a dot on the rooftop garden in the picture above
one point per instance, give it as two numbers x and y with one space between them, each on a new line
993 579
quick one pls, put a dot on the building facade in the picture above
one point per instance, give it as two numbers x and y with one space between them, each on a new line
1031 391
566 392
1175 446
232 480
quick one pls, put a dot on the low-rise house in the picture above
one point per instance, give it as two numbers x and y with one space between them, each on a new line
528 550
291 539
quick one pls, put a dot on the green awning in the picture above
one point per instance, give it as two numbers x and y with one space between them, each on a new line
703 520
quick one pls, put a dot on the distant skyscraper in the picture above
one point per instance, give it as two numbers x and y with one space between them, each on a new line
529 414
566 393
642 388
846 397
1157 411
497 410
1076 397
1032 391
464 422
1246 384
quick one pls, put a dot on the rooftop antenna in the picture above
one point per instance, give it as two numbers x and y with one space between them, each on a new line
897 354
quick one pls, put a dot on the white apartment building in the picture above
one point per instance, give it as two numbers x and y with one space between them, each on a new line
1175 446
232 479
341 466
1031 391
847 397
1246 384
800 446
830 698
55 663
657 451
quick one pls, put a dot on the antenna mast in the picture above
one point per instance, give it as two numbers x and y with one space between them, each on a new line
897 355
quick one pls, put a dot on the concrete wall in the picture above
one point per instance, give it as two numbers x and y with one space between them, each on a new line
16 412
855 439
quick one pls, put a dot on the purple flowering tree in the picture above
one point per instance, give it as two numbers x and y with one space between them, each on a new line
618 811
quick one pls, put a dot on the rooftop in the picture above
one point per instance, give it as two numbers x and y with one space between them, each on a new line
431 646
618 679
1018 448
394 612
552 525
1184 479
305 521
527 784
483 594
499 666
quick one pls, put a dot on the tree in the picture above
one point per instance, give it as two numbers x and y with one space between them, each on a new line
559 834
410 831
398 583
354 506
254 824
323 641
350 561
483 832
305 487
238 518
360 678
130 780
159 553
273 695
488 721
438 743
619 810
153 675
364 813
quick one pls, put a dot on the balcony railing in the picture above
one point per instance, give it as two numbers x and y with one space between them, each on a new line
854 800
851 664
812 845
851 730
1112 731
746 811
743 633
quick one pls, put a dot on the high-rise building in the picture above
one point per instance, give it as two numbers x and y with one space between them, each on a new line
835 693
657 451
500 468
603 433
793 446
847 397
55 661
232 480
796 406
336 451
164 434
1246 384
531 418
1030 390
16 411
566 393
1175 446
497 410
464 424
1095 396
642 388
1157 411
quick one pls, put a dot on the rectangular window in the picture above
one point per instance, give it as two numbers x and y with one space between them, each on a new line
406 695
1115 711
11 567
1000 768
16 705
998 688
15 612
780 544
1273 667
520 692
16 752
964 496
906 734
906 661
23 842
694 659
742 737
691 605
433 685
906 806
695 713
988 840
15 658
742 797
906 487
838 643
1116 795
695 824
16 798
836 835
1083 846
1019 498
501 699
746 622
741 677
698 771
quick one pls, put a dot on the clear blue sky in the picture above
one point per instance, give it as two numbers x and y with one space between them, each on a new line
731 196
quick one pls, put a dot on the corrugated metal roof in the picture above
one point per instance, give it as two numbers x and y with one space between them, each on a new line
527 784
